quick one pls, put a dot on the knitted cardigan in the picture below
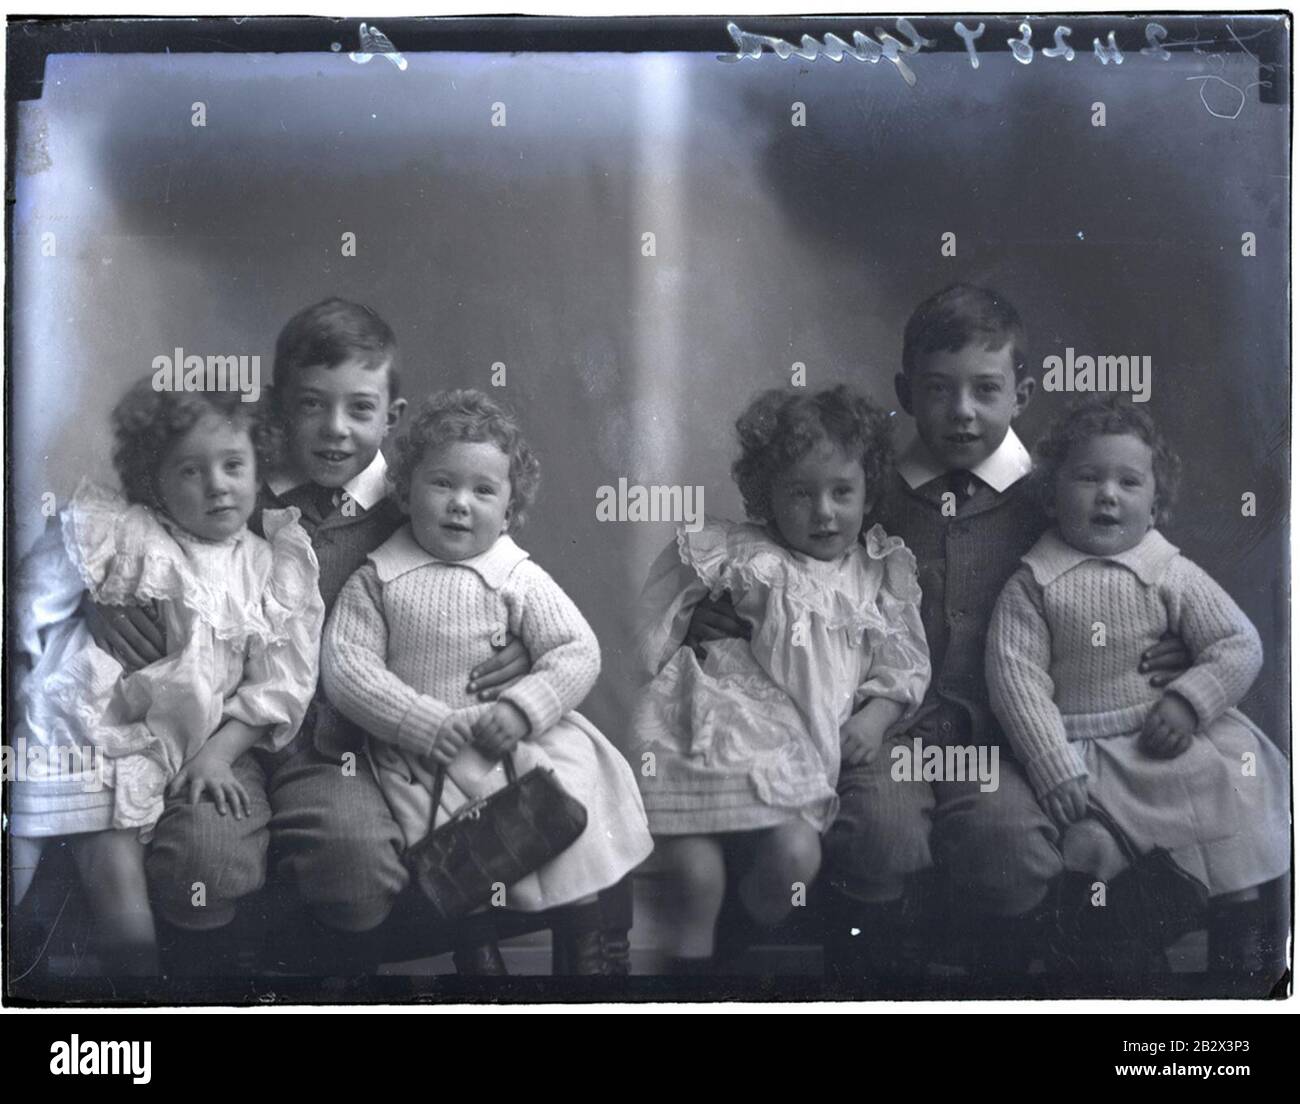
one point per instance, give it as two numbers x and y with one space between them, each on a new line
407 629
1068 633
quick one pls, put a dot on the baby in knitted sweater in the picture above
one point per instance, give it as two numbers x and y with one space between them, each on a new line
1178 768
427 607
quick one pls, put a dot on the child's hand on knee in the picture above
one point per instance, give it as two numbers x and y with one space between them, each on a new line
863 734
1169 728
454 733
860 739
498 730
1067 803
208 771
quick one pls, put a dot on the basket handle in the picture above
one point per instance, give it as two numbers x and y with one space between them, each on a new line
441 776
1121 838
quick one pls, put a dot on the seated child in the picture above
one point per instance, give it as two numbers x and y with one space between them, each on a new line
410 624
1180 769
746 739
319 826
242 619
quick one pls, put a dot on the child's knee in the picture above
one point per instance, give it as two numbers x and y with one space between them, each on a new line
873 846
1088 848
1004 862
351 876
24 858
697 868
784 866
111 865
796 855
200 864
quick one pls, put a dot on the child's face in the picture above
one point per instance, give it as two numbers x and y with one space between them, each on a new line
337 418
1105 494
964 402
818 503
459 501
207 481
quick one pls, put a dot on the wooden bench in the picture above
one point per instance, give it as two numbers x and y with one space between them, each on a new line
48 936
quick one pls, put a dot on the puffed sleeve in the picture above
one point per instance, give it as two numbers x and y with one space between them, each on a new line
282 666
1225 646
563 648
1017 667
49 589
66 695
122 552
672 591
899 655
356 676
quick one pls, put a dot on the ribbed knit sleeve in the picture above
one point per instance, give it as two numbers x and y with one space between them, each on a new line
1017 665
356 677
1225 646
564 650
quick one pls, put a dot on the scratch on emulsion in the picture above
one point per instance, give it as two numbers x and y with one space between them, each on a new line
1239 90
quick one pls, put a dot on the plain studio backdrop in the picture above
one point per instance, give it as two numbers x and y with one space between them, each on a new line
522 245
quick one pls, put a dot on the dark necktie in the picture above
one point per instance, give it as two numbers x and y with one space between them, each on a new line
326 500
316 502
962 484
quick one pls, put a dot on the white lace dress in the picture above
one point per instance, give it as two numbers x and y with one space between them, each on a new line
242 618
749 736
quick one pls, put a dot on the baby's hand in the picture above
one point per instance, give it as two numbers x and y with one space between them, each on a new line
860 739
453 735
1169 727
1067 803
208 771
498 730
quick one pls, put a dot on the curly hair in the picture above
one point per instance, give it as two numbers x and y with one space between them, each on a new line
468 415
147 422
1101 416
780 427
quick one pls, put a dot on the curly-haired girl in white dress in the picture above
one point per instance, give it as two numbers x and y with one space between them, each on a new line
241 617
740 748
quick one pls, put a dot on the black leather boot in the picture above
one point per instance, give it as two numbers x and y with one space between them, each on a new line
689 967
595 954
480 960
1245 956
184 953
308 948
1003 950
129 960
1100 942
866 942
583 945
735 932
